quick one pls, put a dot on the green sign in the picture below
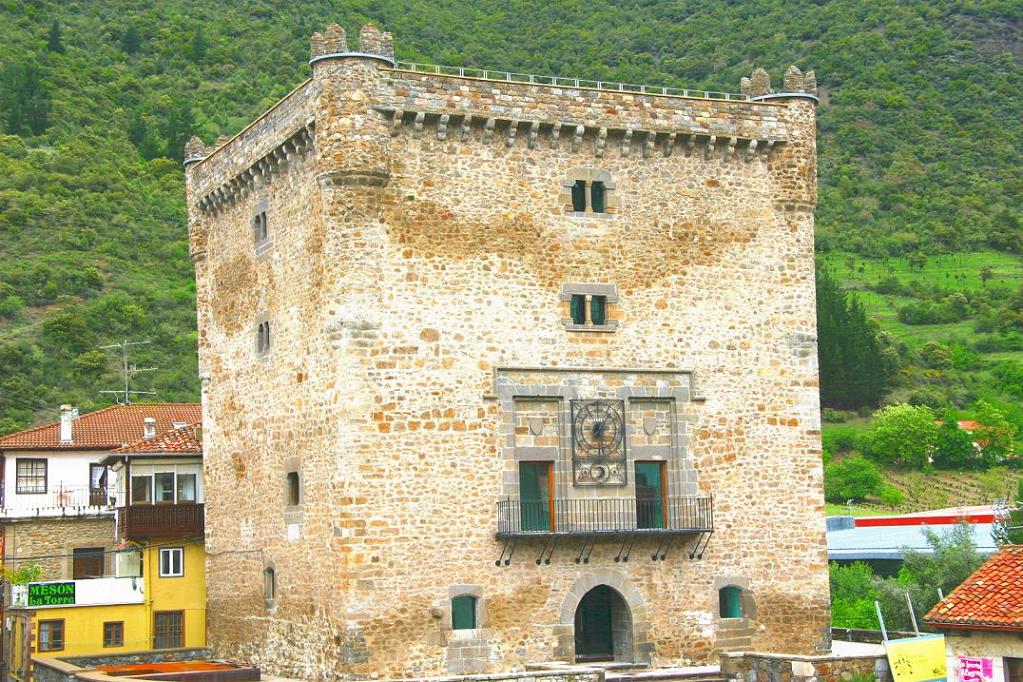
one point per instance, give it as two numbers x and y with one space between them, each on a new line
51 594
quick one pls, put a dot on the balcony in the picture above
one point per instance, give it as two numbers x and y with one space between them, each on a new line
57 500
145 521
604 516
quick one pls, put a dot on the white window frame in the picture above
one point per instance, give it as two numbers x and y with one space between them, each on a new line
172 552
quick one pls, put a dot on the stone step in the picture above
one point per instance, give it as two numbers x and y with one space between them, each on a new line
703 673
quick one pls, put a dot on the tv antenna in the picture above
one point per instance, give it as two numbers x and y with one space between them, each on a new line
128 371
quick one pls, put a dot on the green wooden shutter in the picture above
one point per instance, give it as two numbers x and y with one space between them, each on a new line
533 496
597 195
579 196
729 602
463 612
598 309
578 309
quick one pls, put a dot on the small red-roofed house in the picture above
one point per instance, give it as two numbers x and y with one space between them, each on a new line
983 621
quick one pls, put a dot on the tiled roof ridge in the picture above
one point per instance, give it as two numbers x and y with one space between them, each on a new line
21 439
160 442
981 600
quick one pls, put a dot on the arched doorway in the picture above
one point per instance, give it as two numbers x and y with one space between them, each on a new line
603 626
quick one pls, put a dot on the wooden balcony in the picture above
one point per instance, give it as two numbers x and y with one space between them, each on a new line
146 521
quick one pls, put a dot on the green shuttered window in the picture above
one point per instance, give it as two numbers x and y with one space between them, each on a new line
578 309
730 602
598 309
463 612
579 196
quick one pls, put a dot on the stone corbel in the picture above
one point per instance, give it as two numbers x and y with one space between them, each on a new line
730 152
556 135
601 141
711 143
534 130
627 142
488 130
513 129
765 151
577 139
396 122
651 144
466 126
690 144
442 127
417 126
669 146
751 151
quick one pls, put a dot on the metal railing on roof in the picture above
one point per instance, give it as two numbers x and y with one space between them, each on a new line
558 81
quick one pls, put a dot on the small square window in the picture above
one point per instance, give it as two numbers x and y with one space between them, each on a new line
51 635
172 562
113 633
30 476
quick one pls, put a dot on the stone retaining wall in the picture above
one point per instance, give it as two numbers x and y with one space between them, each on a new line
755 667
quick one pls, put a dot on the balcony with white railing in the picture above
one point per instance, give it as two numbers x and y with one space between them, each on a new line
86 592
57 500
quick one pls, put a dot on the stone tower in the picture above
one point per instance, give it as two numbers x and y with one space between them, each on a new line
500 370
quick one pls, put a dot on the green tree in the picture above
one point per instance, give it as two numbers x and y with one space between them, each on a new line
996 434
53 40
854 370
852 478
852 596
198 46
23 573
986 273
903 434
24 99
131 40
954 448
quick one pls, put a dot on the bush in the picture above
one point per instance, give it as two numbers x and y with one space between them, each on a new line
903 434
853 478
890 496
936 355
954 448
999 343
832 416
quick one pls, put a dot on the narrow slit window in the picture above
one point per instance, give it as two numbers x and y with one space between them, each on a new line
578 305
463 612
598 195
263 338
294 491
598 310
259 227
269 584
579 196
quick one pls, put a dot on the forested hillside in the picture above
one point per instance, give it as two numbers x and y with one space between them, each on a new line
920 141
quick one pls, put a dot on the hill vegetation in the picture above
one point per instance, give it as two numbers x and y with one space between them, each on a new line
920 157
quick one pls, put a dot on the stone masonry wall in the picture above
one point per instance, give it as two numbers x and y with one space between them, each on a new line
55 539
407 270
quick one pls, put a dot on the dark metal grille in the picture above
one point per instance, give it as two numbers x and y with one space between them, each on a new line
598 442
611 516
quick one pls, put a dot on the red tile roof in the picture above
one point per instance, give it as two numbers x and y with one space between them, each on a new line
185 440
105 429
990 599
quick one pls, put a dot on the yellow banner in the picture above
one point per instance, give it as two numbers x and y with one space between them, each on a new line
917 659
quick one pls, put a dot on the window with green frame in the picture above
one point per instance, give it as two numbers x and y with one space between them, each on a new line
578 306
730 602
579 196
598 310
463 612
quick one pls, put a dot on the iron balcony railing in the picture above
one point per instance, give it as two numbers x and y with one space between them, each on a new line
558 81
55 498
610 516
143 521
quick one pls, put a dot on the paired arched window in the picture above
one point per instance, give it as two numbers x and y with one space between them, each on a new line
463 612
588 190
730 602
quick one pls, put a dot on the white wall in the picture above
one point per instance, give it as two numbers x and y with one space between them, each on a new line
68 469
982 644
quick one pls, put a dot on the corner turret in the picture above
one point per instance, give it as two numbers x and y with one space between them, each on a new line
795 84
333 44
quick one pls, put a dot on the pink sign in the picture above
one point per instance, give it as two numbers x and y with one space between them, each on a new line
974 669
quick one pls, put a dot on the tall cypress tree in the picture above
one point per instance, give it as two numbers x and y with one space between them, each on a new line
853 371
53 42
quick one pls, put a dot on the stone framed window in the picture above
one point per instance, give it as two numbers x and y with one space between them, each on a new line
589 307
730 602
269 587
261 228
263 338
589 192
293 489
463 612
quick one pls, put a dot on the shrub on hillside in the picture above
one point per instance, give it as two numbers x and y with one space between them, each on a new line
1010 377
890 496
954 448
853 478
999 343
903 434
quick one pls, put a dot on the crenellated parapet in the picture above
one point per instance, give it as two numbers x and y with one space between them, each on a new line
195 151
332 43
795 83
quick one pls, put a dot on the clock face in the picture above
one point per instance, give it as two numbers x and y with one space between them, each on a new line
598 447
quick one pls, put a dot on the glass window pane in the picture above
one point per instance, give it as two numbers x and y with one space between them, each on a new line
579 196
598 309
141 489
164 483
186 487
597 194
578 306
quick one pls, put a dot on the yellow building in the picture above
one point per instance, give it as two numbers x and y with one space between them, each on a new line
156 598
